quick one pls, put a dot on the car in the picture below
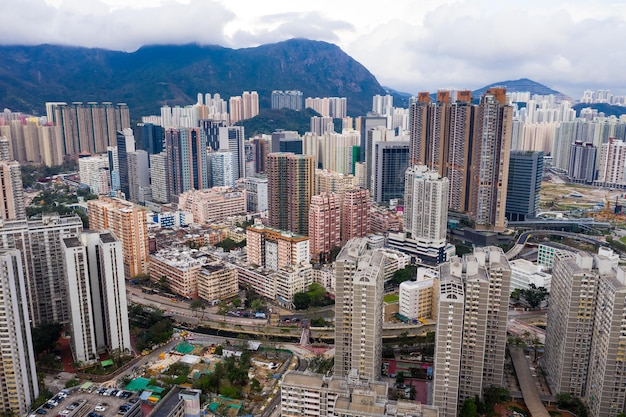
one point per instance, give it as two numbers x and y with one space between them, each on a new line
100 408
65 412
41 411
114 393
133 400
48 406
92 414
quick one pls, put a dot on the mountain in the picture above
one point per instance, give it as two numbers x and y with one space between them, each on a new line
166 74
521 85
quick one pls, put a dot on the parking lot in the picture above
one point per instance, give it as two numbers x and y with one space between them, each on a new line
96 402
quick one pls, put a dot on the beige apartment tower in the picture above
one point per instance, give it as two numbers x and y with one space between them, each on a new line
471 327
128 224
358 310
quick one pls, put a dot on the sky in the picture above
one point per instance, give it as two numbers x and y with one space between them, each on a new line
409 45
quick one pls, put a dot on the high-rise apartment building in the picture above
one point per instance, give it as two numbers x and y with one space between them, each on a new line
324 224
260 154
159 179
358 310
139 189
355 214
90 127
611 162
256 194
186 160
243 107
471 327
231 139
333 182
94 172
570 321
11 191
48 292
125 145
128 224
222 169
19 385
525 175
425 217
79 300
425 204
581 165
290 99
490 160
606 380
108 291
335 107
290 182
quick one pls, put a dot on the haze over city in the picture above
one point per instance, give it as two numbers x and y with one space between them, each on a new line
409 46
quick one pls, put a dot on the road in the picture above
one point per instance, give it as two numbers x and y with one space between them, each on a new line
273 408
181 309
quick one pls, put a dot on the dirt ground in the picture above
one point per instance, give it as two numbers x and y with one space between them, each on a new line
564 196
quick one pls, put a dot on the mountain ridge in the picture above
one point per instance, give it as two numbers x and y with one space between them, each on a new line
154 75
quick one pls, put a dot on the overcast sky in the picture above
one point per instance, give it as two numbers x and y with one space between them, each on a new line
409 45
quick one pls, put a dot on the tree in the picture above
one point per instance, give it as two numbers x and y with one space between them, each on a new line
255 385
534 296
236 302
257 304
469 408
45 336
404 274
317 294
493 395
400 378
516 294
301 300
195 305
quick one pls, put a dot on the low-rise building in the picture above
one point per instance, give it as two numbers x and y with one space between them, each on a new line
178 268
524 273
417 298
217 281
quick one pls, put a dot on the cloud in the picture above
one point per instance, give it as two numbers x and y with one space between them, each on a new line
278 27
95 24
463 46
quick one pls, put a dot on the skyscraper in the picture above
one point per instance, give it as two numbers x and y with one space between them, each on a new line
389 163
125 145
231 138
186 160
79 300
324 224
471 327
525 175
290 99
355 214
18 385
128 224
90 127
48 292
425 204
290 183
138 177
222 169
358 310
158 178
490 160
108 291
425 217
570 322
11 191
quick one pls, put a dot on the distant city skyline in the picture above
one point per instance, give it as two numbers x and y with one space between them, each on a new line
409 46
